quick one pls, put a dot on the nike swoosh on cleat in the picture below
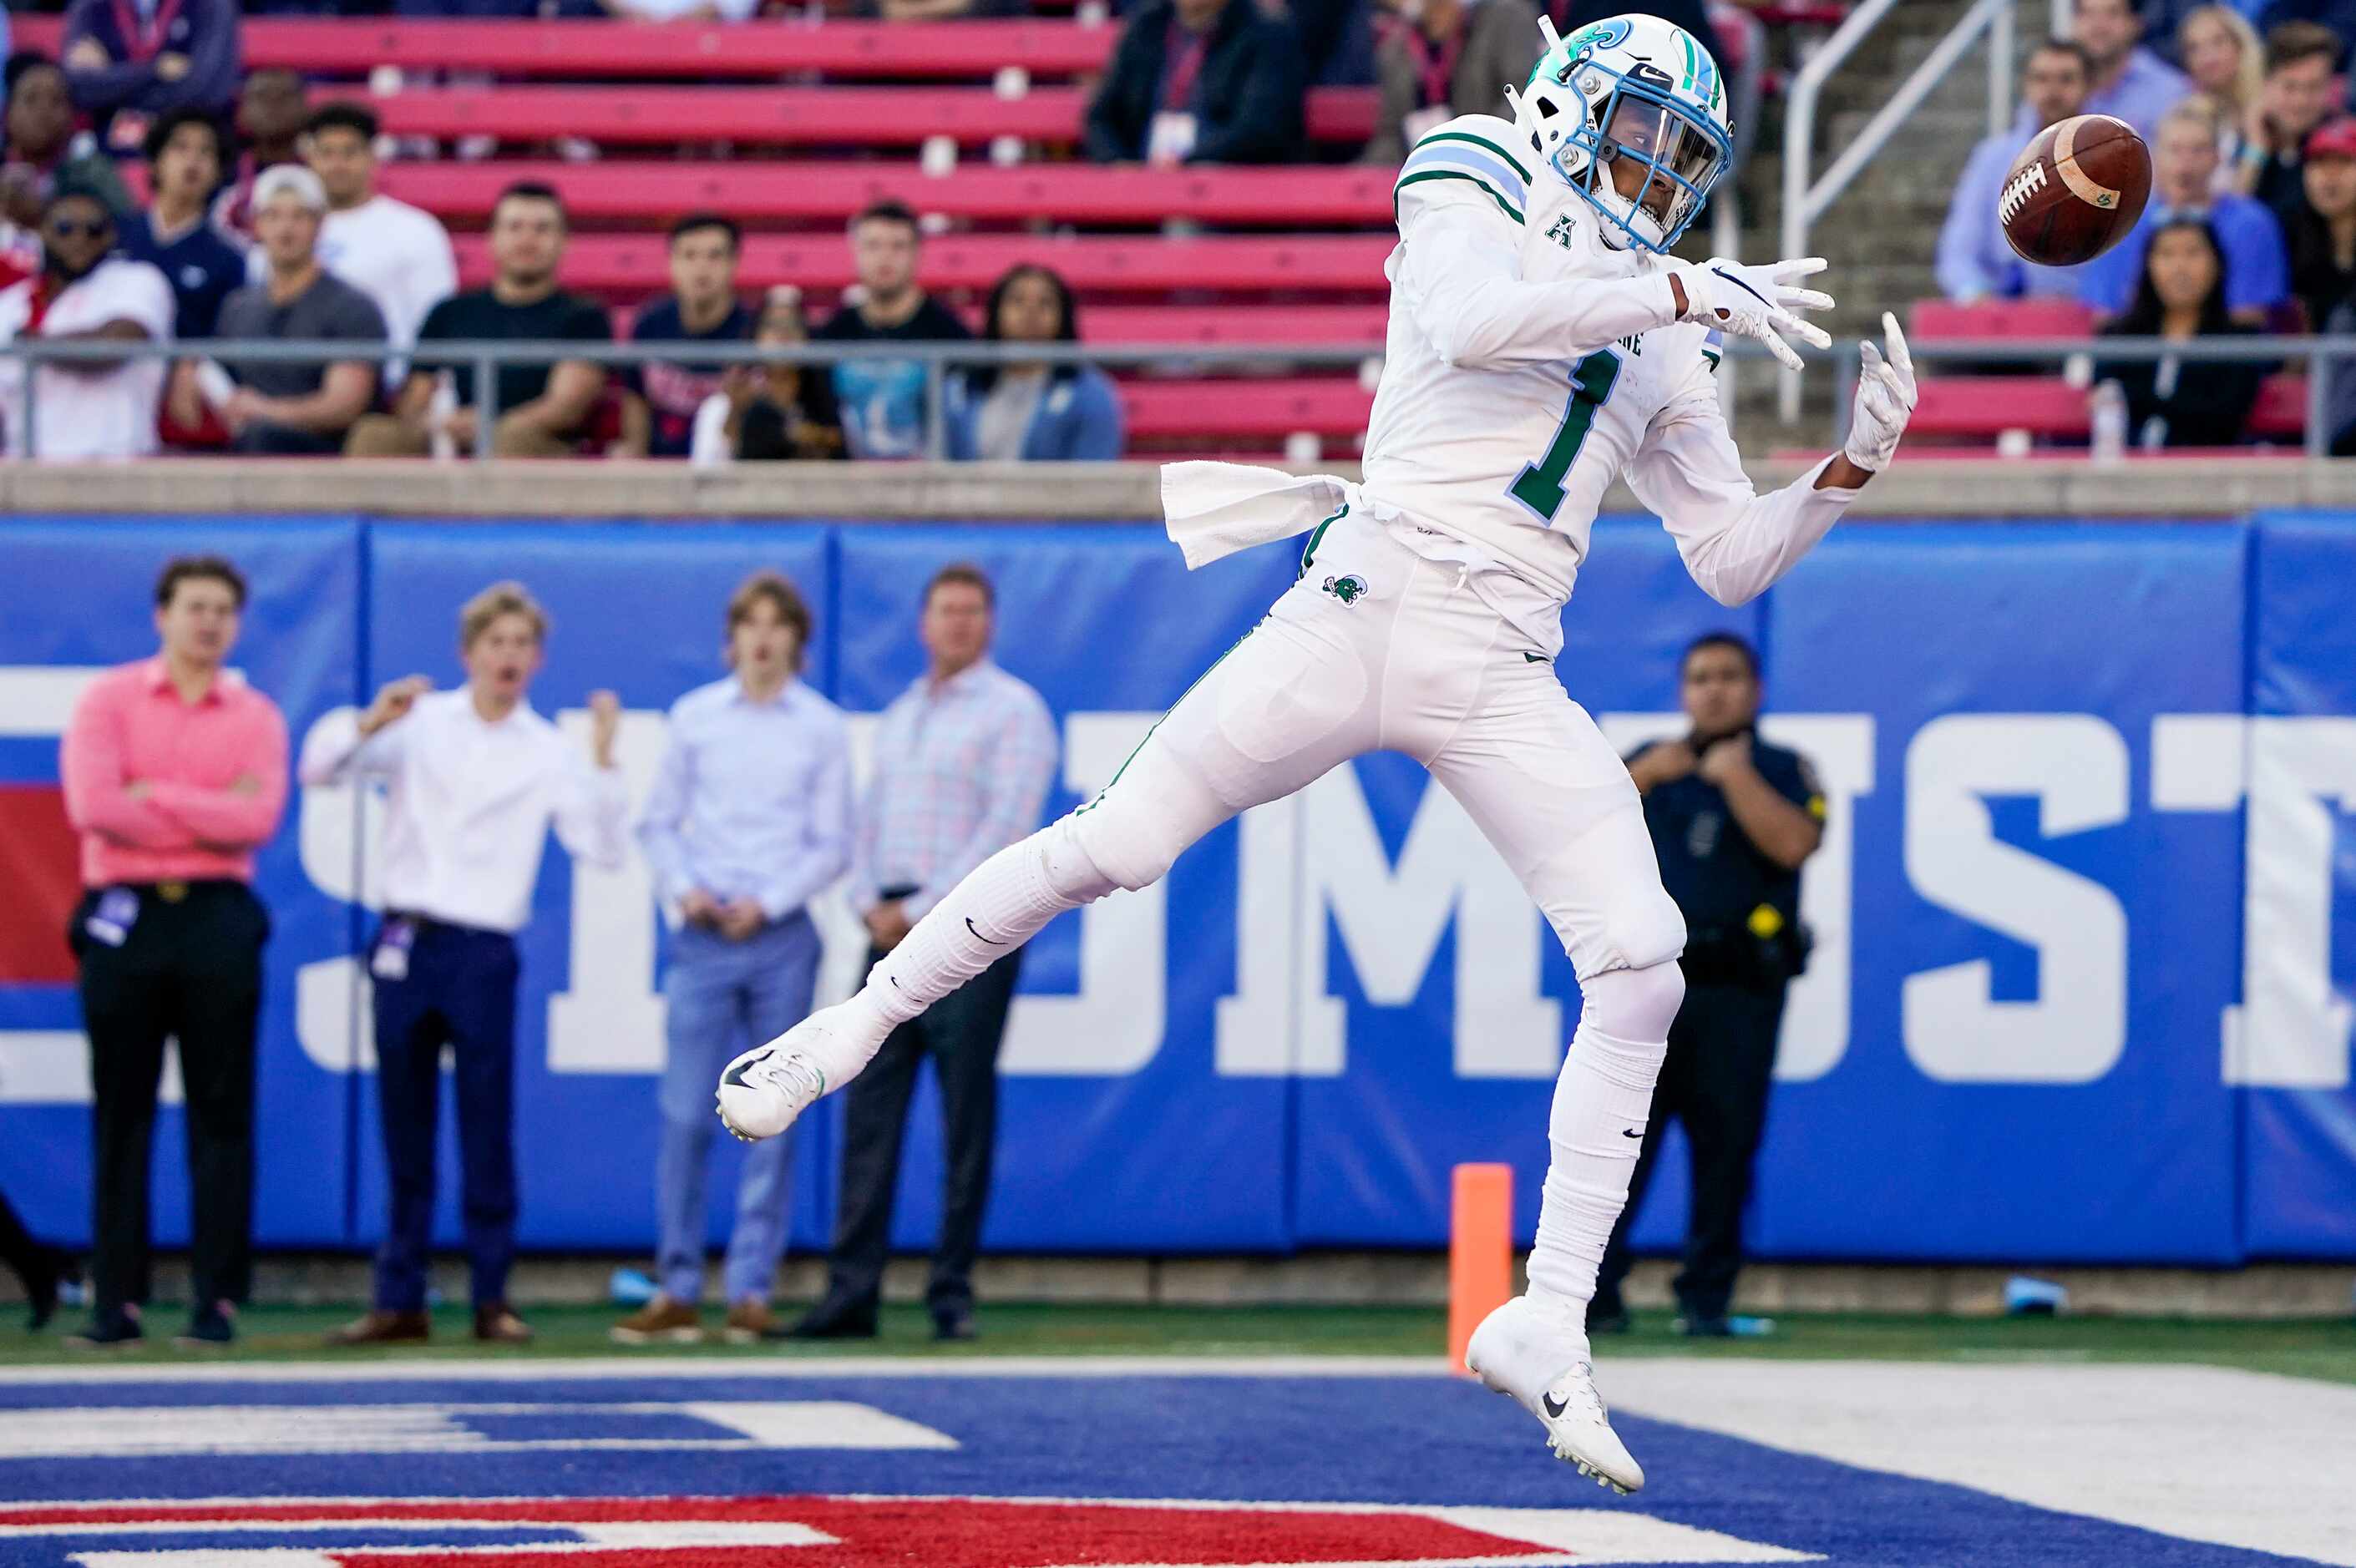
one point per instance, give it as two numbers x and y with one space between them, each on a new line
735 1075
978 936
1630 1133
1554 1407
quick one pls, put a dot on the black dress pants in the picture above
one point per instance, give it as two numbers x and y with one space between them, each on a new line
1720 1064
26 1259
960 1032
188 968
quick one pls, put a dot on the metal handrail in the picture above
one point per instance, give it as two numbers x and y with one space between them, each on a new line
2322 353
486 358
1805 200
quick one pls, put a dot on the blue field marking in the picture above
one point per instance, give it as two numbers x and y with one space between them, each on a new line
1291 1438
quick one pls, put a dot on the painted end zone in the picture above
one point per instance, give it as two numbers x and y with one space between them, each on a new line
1043 1462
837 1532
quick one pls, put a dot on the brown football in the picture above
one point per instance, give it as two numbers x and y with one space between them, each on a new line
2076 191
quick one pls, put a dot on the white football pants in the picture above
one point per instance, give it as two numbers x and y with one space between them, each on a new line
1376 648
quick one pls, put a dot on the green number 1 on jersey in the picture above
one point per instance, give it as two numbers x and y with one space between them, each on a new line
1538 486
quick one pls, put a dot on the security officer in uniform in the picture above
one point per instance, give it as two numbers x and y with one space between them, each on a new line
1732 818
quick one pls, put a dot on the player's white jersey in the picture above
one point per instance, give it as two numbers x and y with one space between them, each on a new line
1512 453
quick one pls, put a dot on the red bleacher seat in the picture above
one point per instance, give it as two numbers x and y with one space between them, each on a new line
786 116
1979 407
1234 325
2280 412
634 265
1161 410
1319 195
1357 325
353 47
1931 320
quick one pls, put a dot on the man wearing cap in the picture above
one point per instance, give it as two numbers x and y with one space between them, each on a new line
280 407
83 409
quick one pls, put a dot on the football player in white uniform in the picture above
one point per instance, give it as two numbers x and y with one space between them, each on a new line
1542 343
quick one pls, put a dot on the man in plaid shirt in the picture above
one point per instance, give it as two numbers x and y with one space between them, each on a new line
962 762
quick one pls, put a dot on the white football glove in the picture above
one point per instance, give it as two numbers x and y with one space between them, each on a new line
1756 302
1885 400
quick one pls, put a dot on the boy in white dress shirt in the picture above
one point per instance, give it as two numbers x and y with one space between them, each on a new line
475 779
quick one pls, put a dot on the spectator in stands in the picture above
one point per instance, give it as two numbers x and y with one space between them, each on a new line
1439 59
882 402
775 411
44 149
272 114
2297 98
1199 82
2184 171
1973 261
544 409
701 307
174 775
281 408
2128 83
186 151
2340 407
2323 229
148 57
397 254
749 822
1033 413
475 778
2337 17
2227 64
84 409
903 10
963 759
2181 296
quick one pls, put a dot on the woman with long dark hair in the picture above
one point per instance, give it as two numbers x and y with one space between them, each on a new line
2181 296
2322 227
1033 413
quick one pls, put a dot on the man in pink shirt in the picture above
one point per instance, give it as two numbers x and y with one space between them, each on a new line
174 772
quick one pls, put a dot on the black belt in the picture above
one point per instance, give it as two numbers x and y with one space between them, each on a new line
175 892
433 922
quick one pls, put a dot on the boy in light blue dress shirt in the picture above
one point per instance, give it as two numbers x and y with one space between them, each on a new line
749 820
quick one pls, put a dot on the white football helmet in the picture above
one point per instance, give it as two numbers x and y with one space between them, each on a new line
1629 87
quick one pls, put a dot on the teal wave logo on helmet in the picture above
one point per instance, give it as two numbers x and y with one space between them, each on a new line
1628 91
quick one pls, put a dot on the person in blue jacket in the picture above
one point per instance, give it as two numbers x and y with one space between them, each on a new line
147 58
1034 413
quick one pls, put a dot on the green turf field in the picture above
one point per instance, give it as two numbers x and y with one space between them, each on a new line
2316 1349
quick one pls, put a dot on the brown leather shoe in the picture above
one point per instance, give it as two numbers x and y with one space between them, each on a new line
496 1324
661 1321
378 1327
748 1321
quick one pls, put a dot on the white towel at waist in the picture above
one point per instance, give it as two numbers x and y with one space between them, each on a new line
1213 509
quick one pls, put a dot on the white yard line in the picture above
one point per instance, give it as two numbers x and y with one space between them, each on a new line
2203 1453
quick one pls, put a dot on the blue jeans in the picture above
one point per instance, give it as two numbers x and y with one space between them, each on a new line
725 997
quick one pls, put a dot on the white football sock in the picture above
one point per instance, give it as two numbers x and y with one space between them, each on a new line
1601 1104
998 908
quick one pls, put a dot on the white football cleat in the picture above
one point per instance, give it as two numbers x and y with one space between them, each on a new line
1539 1356
764 1089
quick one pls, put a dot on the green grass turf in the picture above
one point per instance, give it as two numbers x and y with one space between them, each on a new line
2316 1349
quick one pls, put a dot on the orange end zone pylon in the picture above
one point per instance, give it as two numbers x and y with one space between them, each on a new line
1480 1251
